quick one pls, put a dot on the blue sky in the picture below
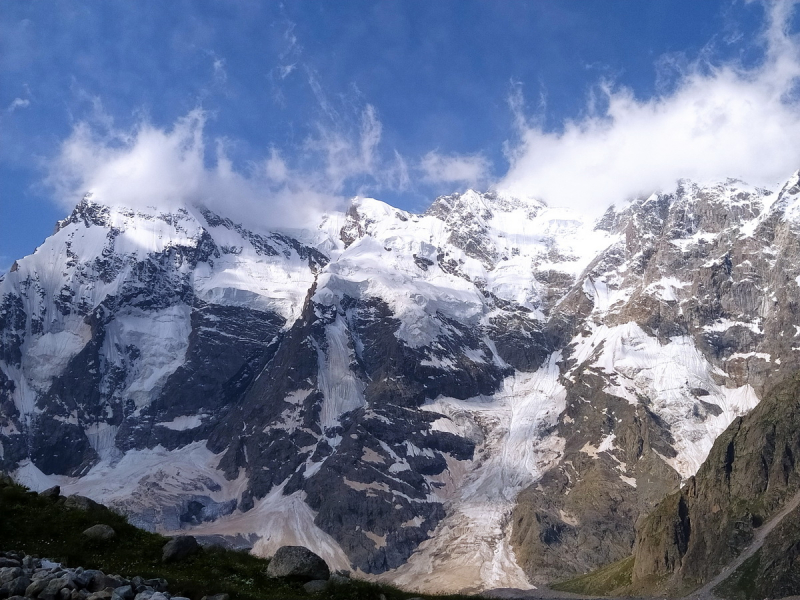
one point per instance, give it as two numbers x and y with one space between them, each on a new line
314 102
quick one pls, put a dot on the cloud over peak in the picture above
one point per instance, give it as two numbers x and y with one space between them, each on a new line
718 121
167 169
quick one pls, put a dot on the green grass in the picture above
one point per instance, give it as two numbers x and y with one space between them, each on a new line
601 582
42 527
741 585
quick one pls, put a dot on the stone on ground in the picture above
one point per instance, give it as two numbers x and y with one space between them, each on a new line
99 532
179 548
298 562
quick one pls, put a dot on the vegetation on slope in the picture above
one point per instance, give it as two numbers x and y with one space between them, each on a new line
603 581
37 525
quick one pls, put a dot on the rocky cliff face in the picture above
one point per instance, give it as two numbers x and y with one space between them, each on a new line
483 395
750 473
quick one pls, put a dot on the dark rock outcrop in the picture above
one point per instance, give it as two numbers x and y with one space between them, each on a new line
179 548
299 563
749 474
100 532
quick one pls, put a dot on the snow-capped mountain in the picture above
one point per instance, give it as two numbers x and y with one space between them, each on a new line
488 394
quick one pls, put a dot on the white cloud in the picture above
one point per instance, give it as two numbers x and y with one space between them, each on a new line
275 167
220 74
719 121
346 155
469 169
285 70
18 103
152 167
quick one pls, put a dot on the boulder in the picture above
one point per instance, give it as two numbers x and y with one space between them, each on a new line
80 502
124 592
95 581
100 532
115 581
53 493
9 562
299 563
9 573
17 586
37 586
179 548
54 587
340 578
315 586
217 597
158 584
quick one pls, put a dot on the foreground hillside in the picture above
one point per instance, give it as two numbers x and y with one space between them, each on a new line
42 525
488 394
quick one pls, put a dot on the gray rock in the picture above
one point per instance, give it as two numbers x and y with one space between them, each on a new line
159 596
52 493
54 586
158 584
340 577
145 594
316 586
217 597
101 595
179 548
337 579
92 579
29 563
9 562
80 502
9 573
124 592
100 532
115 581
37 586
298 562
183 597
18 586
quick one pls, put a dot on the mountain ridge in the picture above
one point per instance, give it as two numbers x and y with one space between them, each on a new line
371 388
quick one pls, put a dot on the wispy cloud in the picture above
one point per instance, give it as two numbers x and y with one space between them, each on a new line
716 121
220 74
285 70
168 168
18 103
457 169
